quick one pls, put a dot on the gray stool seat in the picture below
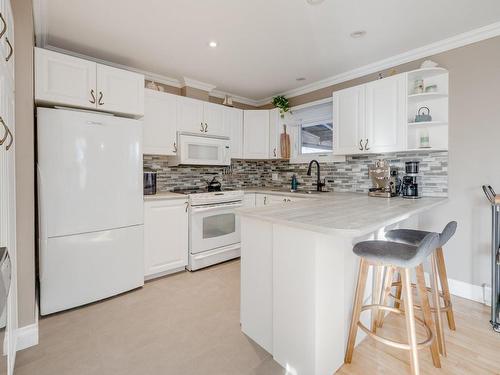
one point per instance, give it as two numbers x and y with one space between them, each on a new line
397 253
414 237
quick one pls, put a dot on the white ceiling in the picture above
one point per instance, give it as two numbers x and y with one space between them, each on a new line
264 45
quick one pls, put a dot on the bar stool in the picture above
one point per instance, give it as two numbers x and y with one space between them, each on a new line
438 269
404 258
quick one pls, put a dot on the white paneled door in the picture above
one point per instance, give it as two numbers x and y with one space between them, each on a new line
65 79
349 120
256 134
8 316
190 115
119 90
165 236
386 114
159 123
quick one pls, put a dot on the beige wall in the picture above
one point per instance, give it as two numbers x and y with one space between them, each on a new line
25 158
199 94
474 152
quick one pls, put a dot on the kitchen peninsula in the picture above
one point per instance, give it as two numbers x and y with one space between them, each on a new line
298 272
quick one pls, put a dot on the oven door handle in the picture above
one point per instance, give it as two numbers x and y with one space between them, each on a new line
215 207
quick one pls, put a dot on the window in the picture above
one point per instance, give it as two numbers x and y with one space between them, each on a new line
316 137
315 130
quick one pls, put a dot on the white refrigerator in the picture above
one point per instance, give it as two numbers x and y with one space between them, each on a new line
90 207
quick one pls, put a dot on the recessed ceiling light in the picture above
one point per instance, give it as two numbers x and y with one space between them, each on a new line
212 44
300 79
358 34
314 2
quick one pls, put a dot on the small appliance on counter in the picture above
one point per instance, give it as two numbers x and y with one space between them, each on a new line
384 179
149 180
409 188
214 185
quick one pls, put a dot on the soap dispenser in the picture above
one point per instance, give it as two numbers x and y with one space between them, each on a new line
295 183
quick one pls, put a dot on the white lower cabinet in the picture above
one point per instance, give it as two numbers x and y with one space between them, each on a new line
249 200
262 200
165 236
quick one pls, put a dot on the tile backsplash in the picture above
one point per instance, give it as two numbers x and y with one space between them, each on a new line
348 176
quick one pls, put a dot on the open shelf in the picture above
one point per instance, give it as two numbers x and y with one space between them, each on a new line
427 96
428 123
426 73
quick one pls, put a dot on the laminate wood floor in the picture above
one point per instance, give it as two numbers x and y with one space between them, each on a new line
188 324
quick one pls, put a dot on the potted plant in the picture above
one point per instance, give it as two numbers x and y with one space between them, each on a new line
281 103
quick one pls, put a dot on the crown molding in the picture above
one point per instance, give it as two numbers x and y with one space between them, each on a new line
240 99
447 44
189 82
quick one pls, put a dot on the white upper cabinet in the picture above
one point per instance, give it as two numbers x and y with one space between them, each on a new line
256 134
275 124
371 118
63 79
66 80
196 116
119 90
190 115
159 123
213 118
386 114
349 120
233 125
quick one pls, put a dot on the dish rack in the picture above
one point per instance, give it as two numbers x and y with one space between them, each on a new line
495 256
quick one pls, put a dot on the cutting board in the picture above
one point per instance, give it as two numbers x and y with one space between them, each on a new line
285 144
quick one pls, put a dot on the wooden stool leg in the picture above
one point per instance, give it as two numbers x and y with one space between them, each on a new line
437 304
443 277
386 291
397 305
426 311
410 320
356 309
378 272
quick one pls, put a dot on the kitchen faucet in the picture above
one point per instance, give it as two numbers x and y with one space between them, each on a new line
319 184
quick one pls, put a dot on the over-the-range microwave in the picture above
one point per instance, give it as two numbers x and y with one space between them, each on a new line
196 149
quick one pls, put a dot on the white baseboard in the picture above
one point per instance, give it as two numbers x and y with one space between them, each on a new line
476 293
27 336
481 294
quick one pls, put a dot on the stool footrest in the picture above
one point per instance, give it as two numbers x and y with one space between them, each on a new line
393 343
445 308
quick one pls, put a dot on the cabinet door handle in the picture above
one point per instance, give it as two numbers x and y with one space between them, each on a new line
360 145
100 98
175 147
4 28
92 94
11 139
265 200
11 49
206 127
6 129
366 145
187 206
274 151
202 128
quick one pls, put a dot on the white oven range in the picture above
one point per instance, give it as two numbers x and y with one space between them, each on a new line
214 227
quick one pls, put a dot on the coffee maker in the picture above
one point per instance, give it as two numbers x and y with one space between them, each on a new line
409 188
384 179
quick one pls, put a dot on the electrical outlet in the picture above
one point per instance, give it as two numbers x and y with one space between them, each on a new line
275 177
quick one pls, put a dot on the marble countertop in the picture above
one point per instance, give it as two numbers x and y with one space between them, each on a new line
346 214
171 195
